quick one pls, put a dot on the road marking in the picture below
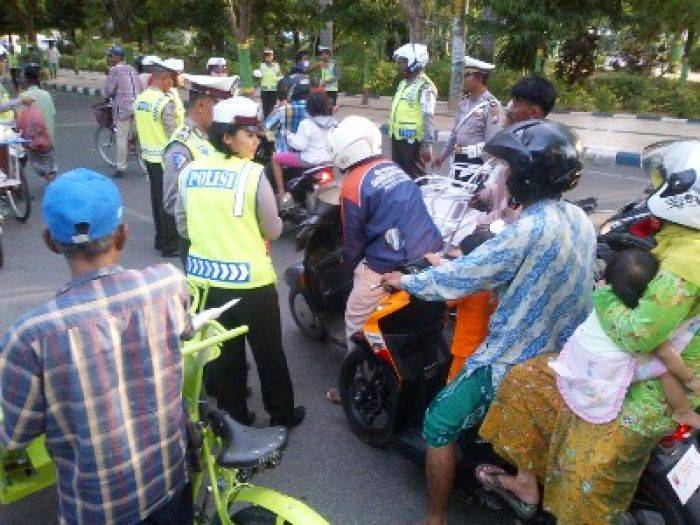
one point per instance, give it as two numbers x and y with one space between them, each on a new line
614 175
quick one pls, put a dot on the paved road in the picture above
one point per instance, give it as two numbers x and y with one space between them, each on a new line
325 464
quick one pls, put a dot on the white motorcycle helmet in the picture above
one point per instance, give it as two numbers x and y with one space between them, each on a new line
677 164
354 140
416 56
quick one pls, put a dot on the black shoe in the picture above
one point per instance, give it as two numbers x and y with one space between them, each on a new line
119 174
244 419
297 417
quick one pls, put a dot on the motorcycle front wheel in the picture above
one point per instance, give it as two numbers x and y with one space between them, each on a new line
370 393
19 198
308 322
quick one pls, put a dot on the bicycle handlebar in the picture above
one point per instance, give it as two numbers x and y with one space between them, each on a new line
193 348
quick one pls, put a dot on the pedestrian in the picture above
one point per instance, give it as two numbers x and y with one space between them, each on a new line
217 67
541 268
31 78
98 368
53 57
156 121
270 72
411 122
231 214
301 63
479 116
330 74
376 196
190 141
13 62
122 87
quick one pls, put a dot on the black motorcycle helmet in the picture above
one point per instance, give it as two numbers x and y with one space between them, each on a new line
300 87
545 159
32 71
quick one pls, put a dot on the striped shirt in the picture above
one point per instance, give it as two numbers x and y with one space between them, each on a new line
541 268
98 369
286 117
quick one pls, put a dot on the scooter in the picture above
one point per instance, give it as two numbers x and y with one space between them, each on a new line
304 186
320 283
399 363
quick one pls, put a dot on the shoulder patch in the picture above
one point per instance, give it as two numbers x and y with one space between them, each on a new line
179 159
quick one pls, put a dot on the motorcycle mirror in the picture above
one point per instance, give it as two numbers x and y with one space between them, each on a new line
394 238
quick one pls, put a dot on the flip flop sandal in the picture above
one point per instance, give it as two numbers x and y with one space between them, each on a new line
524 510
334 397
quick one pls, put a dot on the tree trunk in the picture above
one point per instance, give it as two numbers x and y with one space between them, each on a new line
27 12
415 19
240 24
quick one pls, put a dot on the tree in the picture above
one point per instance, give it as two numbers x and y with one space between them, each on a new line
29 13
415 18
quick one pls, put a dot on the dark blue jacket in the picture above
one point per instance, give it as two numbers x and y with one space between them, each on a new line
375 197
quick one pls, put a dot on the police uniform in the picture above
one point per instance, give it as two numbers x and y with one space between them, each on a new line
411 123
330 75
228 254
189 143
268 84
155 119
216 67
478 119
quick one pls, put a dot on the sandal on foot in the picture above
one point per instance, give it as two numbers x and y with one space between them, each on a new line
490 481
334 396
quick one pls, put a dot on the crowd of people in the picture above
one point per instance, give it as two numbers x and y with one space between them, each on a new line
573 382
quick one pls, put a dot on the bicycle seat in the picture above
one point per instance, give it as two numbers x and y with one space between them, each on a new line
246 447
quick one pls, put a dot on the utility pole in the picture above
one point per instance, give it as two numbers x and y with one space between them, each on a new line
457 72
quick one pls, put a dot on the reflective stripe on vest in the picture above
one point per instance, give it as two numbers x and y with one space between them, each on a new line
228 249
406 119
268 81
327 74
148 112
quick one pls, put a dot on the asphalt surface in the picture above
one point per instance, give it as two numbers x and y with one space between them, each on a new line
325 464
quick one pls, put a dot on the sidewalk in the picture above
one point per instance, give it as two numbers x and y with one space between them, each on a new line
616 139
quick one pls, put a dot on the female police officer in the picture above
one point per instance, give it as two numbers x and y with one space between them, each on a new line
230 211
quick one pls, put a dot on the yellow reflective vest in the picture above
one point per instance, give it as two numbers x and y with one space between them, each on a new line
194 141
179 107
268 81
228 249
327 73
148 112
406 118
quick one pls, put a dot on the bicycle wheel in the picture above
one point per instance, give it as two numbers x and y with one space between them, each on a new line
18 197
106 144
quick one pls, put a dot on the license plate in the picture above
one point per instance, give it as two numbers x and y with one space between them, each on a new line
684 477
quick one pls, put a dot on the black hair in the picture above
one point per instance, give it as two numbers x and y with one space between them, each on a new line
318 104
629 272
216 133
535 90
283 88
299 54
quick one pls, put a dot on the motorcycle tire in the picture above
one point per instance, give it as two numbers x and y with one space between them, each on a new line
367 386
308 322
254 515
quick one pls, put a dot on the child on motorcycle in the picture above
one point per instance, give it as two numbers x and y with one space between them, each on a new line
591 367
310 142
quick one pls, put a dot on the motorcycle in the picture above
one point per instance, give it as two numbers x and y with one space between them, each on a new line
320 283
399 363
304 186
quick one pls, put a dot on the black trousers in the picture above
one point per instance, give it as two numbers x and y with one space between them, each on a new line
178 510
166 231
183 248
226 377
16 76
407 156
269 99
333 96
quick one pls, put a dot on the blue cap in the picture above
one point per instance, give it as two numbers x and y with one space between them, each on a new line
116 50
82 206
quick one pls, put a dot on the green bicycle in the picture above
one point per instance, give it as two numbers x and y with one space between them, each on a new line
228 454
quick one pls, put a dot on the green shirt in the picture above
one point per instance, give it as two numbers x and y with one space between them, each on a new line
667 302
45 102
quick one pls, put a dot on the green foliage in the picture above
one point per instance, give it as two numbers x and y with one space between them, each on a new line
383 78
605 99
439 72
694 58
351 80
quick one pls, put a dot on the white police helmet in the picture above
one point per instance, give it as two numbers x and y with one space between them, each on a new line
353 140
677 163
416 56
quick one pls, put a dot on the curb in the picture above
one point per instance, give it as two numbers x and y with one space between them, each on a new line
601 156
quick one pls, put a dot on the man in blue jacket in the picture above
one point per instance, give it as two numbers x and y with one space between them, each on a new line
376 196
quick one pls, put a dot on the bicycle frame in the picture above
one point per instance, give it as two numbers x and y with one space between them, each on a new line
226 485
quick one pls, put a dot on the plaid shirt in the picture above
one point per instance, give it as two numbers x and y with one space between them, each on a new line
98 369
287 116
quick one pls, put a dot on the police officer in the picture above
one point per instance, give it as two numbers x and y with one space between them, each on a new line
479 117
217 67
156 121
269 73
177 66
330 74
411 123
230 211
189 142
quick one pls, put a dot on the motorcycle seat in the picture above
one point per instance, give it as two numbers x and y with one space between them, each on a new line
246 447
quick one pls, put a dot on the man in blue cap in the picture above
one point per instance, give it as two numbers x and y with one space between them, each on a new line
98 368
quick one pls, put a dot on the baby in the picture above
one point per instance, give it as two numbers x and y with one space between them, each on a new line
593 374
